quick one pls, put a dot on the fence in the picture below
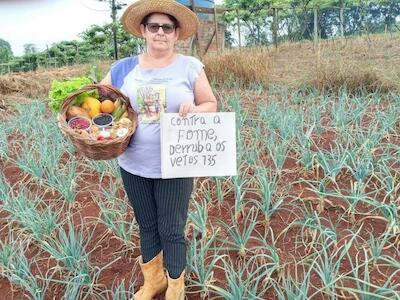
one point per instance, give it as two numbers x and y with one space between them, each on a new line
261 25
264 25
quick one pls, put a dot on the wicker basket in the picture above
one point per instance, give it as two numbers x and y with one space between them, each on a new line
93 149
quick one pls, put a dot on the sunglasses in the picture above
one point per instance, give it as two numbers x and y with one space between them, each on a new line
154 27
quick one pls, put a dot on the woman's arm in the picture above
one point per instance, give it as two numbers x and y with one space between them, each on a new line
205 100
106 80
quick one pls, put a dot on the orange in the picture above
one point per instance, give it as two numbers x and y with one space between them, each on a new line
107 106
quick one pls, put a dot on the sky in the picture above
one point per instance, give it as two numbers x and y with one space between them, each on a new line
43 22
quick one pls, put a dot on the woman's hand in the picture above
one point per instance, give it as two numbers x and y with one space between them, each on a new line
187 107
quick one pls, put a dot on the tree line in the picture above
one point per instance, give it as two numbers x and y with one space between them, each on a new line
96 43
296 20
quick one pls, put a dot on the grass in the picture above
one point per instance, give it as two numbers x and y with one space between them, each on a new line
357 64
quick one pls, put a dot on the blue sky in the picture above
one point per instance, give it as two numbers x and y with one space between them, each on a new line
43 22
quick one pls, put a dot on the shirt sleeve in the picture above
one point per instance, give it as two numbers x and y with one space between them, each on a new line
195 66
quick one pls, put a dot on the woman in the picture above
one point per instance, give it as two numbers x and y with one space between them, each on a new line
158 81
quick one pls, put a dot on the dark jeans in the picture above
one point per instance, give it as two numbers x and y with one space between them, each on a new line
160 207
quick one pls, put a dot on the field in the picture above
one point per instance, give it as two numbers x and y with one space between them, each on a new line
313 213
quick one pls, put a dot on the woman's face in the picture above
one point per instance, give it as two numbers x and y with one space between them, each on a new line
159 40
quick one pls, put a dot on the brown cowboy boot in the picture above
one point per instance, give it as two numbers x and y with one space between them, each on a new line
155 281
176 288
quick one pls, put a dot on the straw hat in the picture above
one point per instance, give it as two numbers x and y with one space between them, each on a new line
135 13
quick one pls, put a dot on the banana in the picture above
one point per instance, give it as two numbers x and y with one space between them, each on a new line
125 115
117 103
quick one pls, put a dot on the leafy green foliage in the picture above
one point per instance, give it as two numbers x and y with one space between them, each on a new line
59 91
5 51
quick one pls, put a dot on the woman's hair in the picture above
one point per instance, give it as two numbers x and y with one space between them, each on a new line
171 18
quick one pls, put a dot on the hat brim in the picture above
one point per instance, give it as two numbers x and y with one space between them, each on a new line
134 14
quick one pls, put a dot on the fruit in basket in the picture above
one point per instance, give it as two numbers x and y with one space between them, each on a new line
107 106
76 111
92 106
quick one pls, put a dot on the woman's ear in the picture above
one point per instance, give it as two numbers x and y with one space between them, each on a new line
177 31
142 29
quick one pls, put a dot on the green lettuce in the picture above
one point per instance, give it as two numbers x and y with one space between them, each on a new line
60 90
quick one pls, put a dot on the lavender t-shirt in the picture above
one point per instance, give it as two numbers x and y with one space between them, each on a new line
152 92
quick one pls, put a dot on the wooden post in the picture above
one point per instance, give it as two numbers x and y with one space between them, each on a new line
275 27
341 13
114 28
216 27
315 26
196 36
238 25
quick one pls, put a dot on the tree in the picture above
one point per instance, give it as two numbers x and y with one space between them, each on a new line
29 49
5 51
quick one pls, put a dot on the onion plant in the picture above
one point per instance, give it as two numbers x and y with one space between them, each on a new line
104 167
239 184
29 117
202 259
327 264
18 271
365 140
64 181
198 217
390 213
122 292
266 188
340 112
239 236
114 212
375 246
249 279
4 129
70 248
303 147
25 211
333 161
7 249
389 181
389 118
360 167
30 160
320 188
114 215
74 288
365 288
316 112
221 188
293 288
278 152
5 188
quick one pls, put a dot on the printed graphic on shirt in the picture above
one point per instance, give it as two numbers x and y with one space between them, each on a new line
151 101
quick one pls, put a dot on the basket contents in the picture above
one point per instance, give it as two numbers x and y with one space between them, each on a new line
100 124
79 123
101 127
91 107
103 120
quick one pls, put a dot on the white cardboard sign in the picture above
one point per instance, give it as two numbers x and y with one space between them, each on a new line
200 144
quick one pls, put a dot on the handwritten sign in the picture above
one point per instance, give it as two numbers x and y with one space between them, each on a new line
201 144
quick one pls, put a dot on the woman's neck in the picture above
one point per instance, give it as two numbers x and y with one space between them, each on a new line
158 59
160 55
